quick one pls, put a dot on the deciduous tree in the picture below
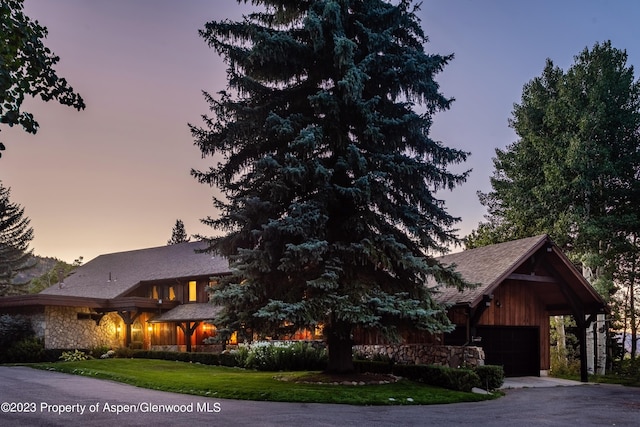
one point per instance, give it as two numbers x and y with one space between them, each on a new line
574 171
328 171
26 68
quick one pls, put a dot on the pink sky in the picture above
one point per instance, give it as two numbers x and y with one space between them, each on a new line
115 176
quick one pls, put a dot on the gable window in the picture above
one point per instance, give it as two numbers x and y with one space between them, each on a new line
192 291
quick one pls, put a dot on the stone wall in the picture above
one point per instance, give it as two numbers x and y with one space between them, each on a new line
425 354
63 329
208 348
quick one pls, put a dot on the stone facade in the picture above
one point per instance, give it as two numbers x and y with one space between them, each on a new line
425 354
61 328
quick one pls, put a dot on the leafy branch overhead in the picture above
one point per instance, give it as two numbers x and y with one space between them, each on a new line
26 68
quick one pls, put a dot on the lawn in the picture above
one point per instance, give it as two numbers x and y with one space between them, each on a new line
236 383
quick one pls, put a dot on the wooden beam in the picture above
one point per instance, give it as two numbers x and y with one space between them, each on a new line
532 278
188 330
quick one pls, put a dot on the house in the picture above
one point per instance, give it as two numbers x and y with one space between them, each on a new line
156 298
520 284
148 298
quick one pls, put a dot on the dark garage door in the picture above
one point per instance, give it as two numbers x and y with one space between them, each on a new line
515 348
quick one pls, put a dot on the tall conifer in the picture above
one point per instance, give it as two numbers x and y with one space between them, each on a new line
15 236
328 171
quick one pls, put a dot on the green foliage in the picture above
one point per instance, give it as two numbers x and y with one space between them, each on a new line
57 273
628 370
27 68
74 356
14 328
454 379
565 355
298 356
572 173
27 350
491 376
178 234
328 172
15 236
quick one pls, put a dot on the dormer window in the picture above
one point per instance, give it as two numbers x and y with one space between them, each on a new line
193 295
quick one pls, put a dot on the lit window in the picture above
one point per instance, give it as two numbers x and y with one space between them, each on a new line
172 293
192 291
154 292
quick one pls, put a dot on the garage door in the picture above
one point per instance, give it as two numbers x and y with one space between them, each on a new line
517 349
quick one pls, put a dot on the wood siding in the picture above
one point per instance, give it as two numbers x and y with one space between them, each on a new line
516 304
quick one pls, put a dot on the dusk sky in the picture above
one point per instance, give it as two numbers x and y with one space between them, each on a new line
115 176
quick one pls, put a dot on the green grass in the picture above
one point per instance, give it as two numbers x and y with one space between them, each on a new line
235 383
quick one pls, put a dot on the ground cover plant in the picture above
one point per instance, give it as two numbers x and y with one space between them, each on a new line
236 383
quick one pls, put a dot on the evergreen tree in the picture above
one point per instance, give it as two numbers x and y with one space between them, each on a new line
26 68
178 234
15 235
329 171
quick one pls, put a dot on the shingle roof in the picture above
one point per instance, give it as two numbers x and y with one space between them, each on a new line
112 275
487 266
189 312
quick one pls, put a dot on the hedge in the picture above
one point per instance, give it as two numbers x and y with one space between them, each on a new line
441 376
491 376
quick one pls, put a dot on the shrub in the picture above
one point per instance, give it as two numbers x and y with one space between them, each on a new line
13 329
441 376
99 351
108 354
124 353
231 358
74 356
491 376
283 356
628 369
27 350
52 354
260 356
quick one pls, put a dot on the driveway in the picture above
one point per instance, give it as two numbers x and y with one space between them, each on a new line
32 397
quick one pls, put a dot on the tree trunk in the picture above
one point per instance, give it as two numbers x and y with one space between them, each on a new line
562 341
339 346
634 325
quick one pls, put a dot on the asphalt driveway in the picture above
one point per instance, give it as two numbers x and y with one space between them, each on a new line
32 397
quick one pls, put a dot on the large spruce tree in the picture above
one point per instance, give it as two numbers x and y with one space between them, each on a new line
328 171
15 236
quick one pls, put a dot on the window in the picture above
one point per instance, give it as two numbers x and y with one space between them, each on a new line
192 291
172 293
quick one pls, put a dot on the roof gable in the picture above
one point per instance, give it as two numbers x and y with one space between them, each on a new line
487 267
112 275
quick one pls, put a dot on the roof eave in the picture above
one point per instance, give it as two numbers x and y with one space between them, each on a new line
544 239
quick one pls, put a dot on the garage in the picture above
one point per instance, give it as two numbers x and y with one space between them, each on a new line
518 286
514 348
